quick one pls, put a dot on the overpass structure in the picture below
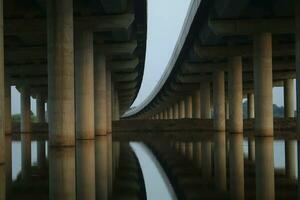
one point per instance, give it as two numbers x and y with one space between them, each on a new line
227 51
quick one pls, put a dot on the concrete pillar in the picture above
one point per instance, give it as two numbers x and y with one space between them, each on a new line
84 85
26 156
166 114
62 161
197 154
116 105
108 101
263 116
25 109
263 84
188 107
2 90
85 170
236 165
289 104
61 73
176 111
219 100
41 155
181 109
161 115
250 105
100 94
235 88
205 100
226 109
182 148
40 108
220 161
196 105
171 115
101 167
8 118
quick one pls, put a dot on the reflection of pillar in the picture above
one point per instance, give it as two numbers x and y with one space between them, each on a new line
8 165
219 100
189 150
171 114
235 88
264 168
85 169
236 165
250 105
166 114
61 73
41 155
101 167
181 109
176 111
62 162
196 105
251 149
25 110
197 154
108 101
205 100
188 107
84 85
182 148
206 155
100 94
220 161
2 93
2 183
26 156
262 56
109 165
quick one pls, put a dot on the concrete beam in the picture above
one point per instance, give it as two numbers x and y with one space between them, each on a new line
125 77
123 65
117 48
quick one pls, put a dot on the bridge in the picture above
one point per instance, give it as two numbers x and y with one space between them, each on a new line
85 60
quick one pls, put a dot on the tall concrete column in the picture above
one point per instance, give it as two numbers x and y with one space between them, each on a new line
108 101
290 145
2 89
205 100
188 107
166 114
263 116
61 73
100 94
196 105
219 100
116 105
235 88
40 108
84 85
181 109
176 111
161 115
8 118
171 115
25 109
250 105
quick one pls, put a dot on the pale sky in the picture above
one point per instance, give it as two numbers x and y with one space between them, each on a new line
165 19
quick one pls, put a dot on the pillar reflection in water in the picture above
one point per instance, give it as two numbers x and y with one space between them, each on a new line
290 161
8 165
182 148
264 167
220 161
101 152
41 155
189 150
2 182
26 155
116 152
85 169
62 174
251 149
197 154
206 155
109 164
236 165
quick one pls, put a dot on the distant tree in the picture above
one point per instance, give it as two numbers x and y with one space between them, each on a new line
17 117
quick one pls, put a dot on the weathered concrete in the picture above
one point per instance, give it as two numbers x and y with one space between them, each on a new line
100 94
206 155
171 114
166 114
26 156
205 100
251 149
235 87
250 105
197 154
220 161
84 85
8 117
40 108
8 165
263 84
25 109
181 109
2 94
196 105
2 183
62 161
41 155
289 104
176 111
188 107
219 100
85 170
189 150
61 73
108 102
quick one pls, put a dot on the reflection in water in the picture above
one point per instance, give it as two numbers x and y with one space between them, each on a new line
264 168
85 169
2 182
62 174
8 164
197 154
41 155
101 153
236 163
290 158
207 157
157 183
26 156
220 161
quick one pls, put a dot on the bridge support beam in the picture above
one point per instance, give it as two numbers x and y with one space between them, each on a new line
263 116
205 100
108 101
2 89
40 108
84 85
250 114
25 109
61 73
181 109
219 101
196 105
41 151
176 111
171 115
8 118
188 107
100 94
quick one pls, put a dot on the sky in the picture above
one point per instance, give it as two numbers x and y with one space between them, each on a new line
165 20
